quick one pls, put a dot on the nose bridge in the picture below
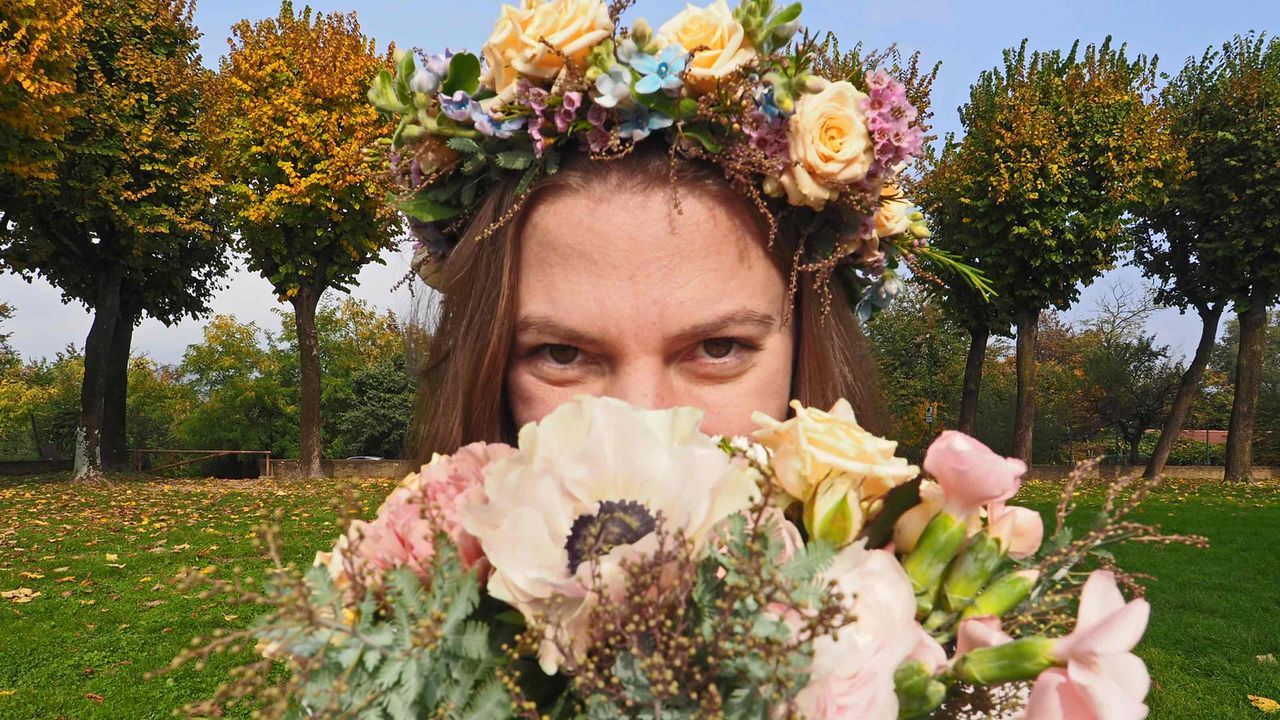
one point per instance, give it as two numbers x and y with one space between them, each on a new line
643 382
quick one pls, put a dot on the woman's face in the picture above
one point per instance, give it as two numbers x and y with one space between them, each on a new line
621 295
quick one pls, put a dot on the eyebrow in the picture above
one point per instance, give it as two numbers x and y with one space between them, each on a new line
543 325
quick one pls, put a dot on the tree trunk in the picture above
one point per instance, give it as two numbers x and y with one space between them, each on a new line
1134 442
973 378
1210 315
1248 383
97 347
115 453
1025 416
304 316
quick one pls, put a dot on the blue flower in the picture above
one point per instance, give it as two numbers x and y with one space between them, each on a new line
641 122
494 127
614 87
661 72
458 106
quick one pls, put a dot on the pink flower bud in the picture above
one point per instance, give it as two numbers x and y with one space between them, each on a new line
971 475
1019 530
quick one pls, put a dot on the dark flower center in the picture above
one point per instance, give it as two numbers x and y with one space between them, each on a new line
663 69
615 523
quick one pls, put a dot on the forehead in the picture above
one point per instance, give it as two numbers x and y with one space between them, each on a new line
627 262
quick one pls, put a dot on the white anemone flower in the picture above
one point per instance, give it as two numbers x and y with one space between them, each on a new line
587 491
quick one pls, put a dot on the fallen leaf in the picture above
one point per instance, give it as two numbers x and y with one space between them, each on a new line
94 697
180 548
7 693
115 565
154 603
1265 704
30 575
112 557
1267 659
69 578
20 596
90 601
62 569
230 618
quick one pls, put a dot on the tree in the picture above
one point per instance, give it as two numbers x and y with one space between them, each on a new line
377 414
39 45
1221 224
1136 379
1057 148
123 222
292 123
1223 364
7 355
917 349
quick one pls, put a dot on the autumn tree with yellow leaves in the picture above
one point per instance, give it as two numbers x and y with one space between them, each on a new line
1058 149
109 199
39 44
293 125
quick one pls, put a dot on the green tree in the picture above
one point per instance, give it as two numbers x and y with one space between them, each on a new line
375 417
1057 148
123 221
918 349
1223 364
1136 380
46 392
1222 220
293 125
243 394
8 357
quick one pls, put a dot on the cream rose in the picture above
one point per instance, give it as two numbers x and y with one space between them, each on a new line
713 28
820 455
830 144
894 214
515 49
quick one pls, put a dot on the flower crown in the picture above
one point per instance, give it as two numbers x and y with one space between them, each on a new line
728 86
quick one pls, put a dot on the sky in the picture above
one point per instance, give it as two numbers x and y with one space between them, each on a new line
966 37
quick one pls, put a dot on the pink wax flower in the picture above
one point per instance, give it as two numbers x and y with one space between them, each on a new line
1103 679
1019 530
971 475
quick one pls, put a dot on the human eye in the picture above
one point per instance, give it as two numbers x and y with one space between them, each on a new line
723 351
557 356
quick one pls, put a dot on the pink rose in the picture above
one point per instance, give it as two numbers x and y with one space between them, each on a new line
1103 679
970 474
449 482
403 532
852 672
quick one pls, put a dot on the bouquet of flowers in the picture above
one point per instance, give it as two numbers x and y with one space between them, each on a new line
620 563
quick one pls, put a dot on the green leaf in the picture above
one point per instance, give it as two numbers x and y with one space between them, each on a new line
464 75
515 159
703 136
898 500
421 208
784 16
465 145
383 94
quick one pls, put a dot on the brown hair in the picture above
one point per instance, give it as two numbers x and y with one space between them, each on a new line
462 391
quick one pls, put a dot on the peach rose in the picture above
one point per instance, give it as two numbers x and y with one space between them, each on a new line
516 48
815 446
830 144
713 28
894 215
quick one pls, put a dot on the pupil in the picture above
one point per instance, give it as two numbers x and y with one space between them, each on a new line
563 354
719 348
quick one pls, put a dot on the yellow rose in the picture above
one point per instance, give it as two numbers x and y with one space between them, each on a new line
893 216
713 28
830 144
827 461
515 49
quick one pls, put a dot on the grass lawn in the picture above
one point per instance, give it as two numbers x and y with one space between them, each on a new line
102 559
